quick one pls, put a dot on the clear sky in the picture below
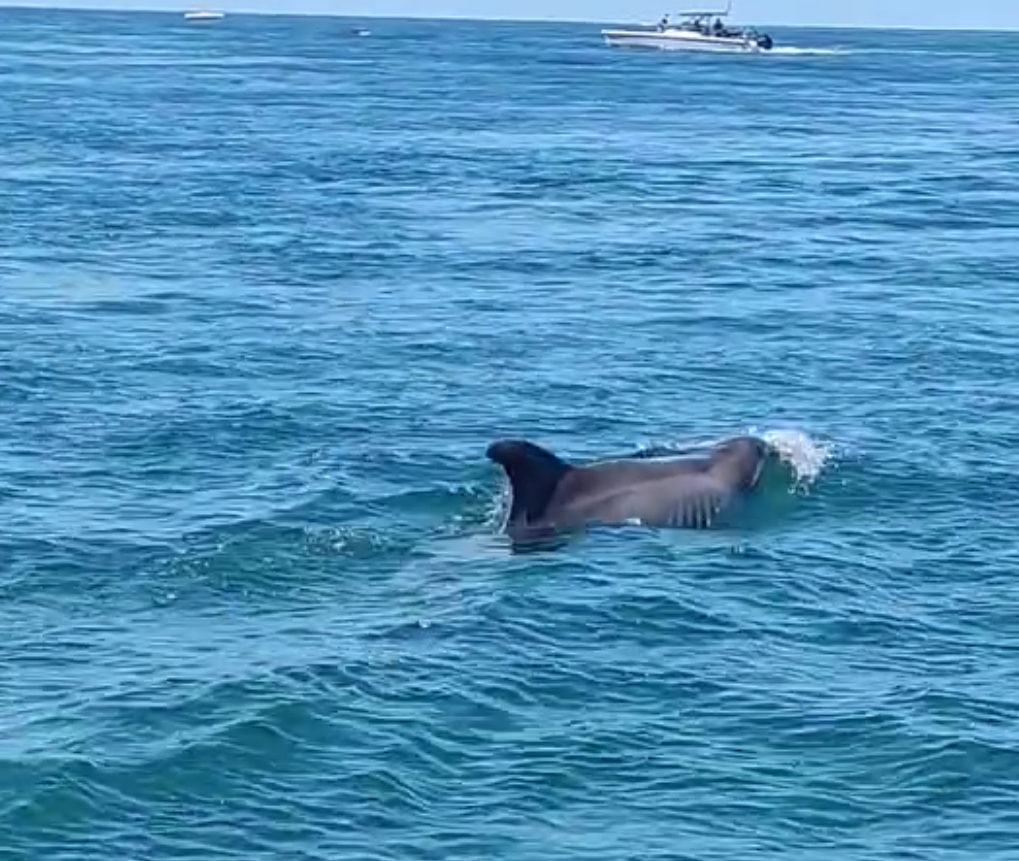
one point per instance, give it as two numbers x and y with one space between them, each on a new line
976 14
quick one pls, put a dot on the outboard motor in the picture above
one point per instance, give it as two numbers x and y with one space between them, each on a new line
764 41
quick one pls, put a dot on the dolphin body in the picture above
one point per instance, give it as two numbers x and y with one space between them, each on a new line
551 496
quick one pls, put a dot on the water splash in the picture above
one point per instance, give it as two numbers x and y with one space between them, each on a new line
805 455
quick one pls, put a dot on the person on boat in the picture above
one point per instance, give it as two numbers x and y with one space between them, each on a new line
663 24
719 27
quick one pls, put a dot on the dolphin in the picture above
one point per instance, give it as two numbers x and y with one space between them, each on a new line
552 496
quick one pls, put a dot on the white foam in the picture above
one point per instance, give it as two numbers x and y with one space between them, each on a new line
789 51
806 456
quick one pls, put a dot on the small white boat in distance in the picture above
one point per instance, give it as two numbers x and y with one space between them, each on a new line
695 32
203 15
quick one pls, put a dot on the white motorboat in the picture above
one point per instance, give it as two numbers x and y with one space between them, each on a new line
694 32
203 15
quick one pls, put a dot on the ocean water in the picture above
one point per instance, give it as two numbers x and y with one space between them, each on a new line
268 291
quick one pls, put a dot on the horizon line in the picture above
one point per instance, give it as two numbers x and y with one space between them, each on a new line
179 10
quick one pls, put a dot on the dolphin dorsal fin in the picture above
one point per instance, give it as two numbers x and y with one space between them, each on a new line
534 474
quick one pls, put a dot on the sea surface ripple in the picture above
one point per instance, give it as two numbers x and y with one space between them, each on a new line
269 289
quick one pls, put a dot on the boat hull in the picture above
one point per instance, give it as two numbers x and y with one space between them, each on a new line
679 40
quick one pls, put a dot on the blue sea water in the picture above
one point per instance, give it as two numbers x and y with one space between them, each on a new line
268 291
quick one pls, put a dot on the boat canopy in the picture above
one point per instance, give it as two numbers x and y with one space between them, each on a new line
719 14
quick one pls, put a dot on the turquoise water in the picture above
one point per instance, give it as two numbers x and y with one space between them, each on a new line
267 292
